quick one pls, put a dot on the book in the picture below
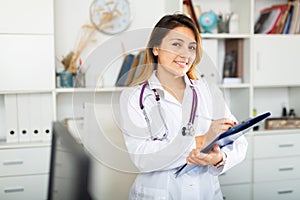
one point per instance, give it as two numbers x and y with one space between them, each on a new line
227 138
139 67
267 20
133 68
295 17
190 11
233 63
259 25
281 8
126 65
279 27
287 24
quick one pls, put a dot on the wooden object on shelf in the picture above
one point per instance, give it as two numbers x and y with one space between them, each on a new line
282 123
233 63
188 6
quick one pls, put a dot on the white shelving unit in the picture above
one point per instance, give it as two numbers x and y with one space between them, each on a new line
270 81
270 70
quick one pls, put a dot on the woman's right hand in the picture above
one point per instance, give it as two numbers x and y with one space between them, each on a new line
217 127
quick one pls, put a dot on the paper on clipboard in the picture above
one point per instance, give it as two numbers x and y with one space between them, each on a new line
227 138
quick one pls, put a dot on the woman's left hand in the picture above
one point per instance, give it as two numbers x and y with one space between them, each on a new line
212 158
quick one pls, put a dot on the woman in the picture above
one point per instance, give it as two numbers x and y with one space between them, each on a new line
169 114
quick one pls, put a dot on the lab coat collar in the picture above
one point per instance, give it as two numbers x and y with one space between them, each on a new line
154 83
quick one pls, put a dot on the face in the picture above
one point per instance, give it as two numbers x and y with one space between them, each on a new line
177 52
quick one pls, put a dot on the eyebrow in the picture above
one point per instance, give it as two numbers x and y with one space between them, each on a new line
181 40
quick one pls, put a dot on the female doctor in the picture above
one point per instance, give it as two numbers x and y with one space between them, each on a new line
169 114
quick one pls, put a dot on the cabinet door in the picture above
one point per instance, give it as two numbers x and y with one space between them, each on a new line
279 190
27 62
33 187
238 174
30 16
272 146
237 192
276 169
277 60
24 161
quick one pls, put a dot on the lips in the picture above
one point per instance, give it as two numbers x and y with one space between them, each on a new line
181 63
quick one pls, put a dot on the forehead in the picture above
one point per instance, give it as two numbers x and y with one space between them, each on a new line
182 33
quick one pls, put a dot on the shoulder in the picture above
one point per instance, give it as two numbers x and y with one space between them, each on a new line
130 94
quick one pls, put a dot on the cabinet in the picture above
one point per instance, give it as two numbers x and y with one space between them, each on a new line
277 60
24 171
276 168
269 82
27 70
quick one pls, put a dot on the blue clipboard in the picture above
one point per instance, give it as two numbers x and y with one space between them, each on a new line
227 138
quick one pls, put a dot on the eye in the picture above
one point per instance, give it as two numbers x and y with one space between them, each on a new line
176 44
192 47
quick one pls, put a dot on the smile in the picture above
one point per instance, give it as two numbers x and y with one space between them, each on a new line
181 64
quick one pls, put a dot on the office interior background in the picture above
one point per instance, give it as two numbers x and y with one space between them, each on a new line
252 44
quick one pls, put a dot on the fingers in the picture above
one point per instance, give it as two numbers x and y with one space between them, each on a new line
198 158
222 125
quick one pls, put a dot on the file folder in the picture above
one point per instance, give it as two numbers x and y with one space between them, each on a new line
35 107
227 138
11 118
23 117
46 116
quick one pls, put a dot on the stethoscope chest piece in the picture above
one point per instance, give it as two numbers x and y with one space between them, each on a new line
188 131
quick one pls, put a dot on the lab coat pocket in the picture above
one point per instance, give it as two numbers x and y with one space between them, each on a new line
147 193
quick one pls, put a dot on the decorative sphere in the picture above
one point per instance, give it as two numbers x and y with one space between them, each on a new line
208 21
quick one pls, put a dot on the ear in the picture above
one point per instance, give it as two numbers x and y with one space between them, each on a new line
155 51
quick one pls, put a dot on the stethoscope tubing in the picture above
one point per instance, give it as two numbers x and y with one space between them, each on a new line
157 98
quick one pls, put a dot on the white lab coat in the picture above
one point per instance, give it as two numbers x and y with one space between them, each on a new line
157 161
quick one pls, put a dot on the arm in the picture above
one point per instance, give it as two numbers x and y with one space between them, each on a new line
232 154
146 154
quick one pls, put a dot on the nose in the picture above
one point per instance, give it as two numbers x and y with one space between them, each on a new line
186 58
185 53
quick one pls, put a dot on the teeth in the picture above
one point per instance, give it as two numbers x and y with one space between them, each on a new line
181 63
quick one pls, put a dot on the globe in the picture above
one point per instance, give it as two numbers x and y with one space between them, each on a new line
208 21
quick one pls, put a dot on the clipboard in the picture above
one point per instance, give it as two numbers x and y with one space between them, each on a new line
227 138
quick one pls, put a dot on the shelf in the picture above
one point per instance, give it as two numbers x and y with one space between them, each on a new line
25 91
224 36
88 90
273 132
276 35
275 86
4 145
235 86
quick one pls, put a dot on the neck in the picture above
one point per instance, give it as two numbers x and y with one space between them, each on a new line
170 81
174 85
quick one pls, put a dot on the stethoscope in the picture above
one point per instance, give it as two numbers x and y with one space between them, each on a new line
187 130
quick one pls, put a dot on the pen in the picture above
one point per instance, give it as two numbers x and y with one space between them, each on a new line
204 117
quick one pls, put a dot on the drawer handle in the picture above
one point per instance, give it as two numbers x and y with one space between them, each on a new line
11 190
13 162
285 145
285 192
286 169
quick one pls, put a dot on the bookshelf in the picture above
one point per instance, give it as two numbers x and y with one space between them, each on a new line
269 82
270 72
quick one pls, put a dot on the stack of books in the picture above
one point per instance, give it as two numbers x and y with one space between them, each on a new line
130 68
279 19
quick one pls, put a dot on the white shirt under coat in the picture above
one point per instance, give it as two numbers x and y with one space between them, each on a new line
157 161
